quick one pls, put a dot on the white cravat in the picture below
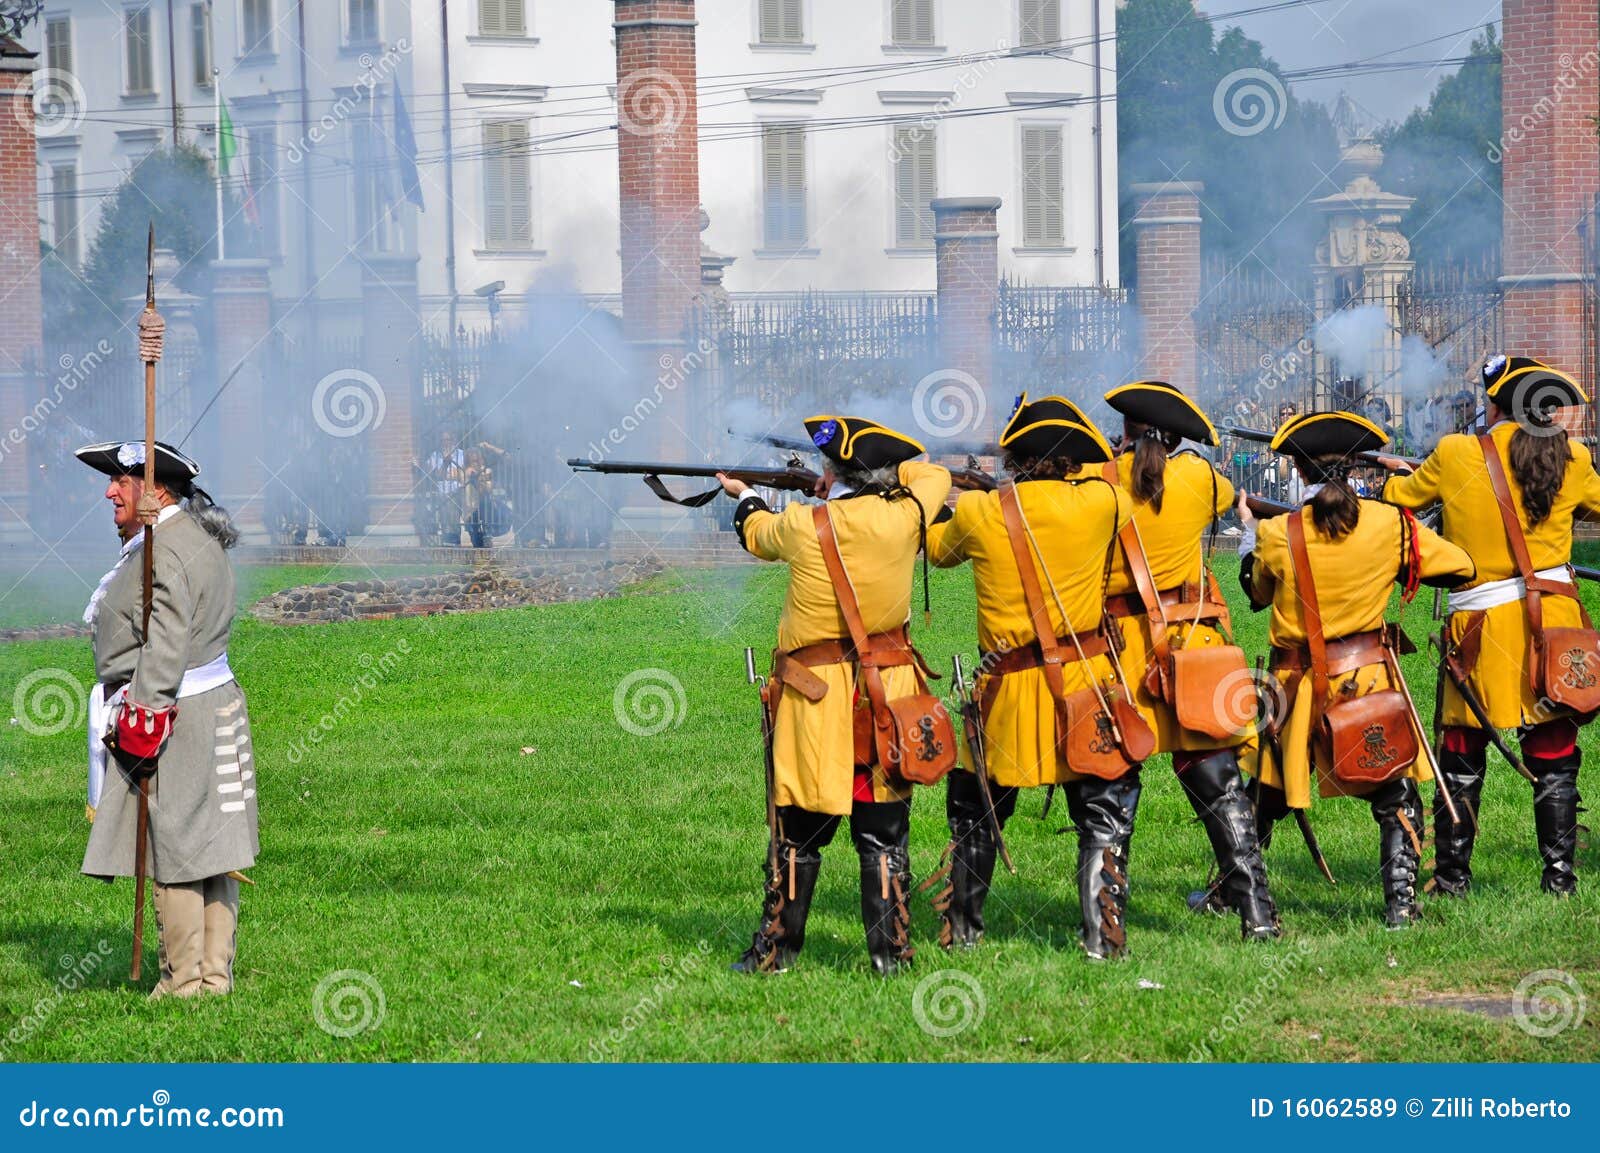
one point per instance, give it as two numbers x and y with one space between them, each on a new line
129 547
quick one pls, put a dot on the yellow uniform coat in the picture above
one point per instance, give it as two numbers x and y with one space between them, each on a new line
1354 578
1173 539
813 748
1455 473
1074 523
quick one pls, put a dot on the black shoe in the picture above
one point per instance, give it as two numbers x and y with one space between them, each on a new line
782 932
1462 774
1397 807
1555 819
1216 793
882 834
1104 813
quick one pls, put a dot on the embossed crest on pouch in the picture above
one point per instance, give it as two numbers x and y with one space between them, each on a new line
1577 672
1377 750
1105 736
929 746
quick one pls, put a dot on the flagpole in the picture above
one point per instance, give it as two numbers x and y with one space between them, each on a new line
216 89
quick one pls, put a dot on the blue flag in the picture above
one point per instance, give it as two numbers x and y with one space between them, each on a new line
405 149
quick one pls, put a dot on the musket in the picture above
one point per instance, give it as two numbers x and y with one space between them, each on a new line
1393 664
1475 706
1302 822
755 678
972 477
149 509
794 476
972 725
1259 437
797 444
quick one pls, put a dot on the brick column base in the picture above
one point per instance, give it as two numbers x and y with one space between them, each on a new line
1168 220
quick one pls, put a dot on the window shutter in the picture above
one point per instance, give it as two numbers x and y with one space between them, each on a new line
491 16
784 172
64 190
515 22
912 22
1041 21
781 22
916 184
494 186
519 190
200 42
1044 208
138 49
58 45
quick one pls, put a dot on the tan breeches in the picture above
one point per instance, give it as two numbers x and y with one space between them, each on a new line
198 923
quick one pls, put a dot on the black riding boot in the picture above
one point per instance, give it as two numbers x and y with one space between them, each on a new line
882 835
1104 813
787 900
1462 774
970 858
1271 806
1397 807
1215 790
1555 819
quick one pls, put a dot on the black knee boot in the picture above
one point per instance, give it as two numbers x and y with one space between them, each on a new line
1462 774
787 900
882 835
1104 814
1397 807
1555 819
1215 790
969 858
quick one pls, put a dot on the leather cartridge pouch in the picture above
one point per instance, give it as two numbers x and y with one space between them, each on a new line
1369 739
911 737
1564 663
1098 731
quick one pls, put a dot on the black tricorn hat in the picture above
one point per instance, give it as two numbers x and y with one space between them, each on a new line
1315 434
1053 426
126 458
1523 386
1162 405
861 443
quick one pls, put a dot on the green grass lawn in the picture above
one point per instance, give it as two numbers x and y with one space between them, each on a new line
581 900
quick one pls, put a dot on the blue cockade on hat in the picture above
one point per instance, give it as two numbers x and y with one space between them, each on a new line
825 434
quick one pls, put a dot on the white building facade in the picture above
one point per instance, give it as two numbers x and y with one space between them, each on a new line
826 127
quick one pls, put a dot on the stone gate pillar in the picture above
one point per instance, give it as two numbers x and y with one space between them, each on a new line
1168 220
21 302
966 241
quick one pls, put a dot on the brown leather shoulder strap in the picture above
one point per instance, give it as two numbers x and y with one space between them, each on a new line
1049 647
842 588
1305 587
1143 581
1514 534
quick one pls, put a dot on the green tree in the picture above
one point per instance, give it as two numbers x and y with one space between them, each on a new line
1189 106
1448 155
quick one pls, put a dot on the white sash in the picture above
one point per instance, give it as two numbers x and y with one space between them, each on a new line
102 710
1492 594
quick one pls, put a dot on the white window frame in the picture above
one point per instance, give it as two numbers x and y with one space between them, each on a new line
127 10
1061 21
344 26
261 49
808 248
895 248
211 44
806 43
478 33
934 45
54 16
532 248
1022 246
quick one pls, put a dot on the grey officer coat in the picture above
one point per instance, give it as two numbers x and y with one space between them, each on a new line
203 796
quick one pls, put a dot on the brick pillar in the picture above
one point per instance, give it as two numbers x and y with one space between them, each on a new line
21 305
1550 88
658 165
1168 292
390 335
967 258
241 319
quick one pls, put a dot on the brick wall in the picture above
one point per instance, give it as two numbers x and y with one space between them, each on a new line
1550 78
966 254
1168 220
21 306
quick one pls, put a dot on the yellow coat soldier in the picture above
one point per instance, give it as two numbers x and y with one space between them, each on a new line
1547 478
1326 570
1170 614
1069 525
879 499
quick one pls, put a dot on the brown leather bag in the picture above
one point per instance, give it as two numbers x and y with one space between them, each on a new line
1369 739
910 737
1098 731
1564 663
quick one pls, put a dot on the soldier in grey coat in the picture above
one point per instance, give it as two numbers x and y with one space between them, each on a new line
172 695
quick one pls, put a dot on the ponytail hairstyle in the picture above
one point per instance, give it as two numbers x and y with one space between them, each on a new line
1335 510
211 516
1539 458
1151 446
